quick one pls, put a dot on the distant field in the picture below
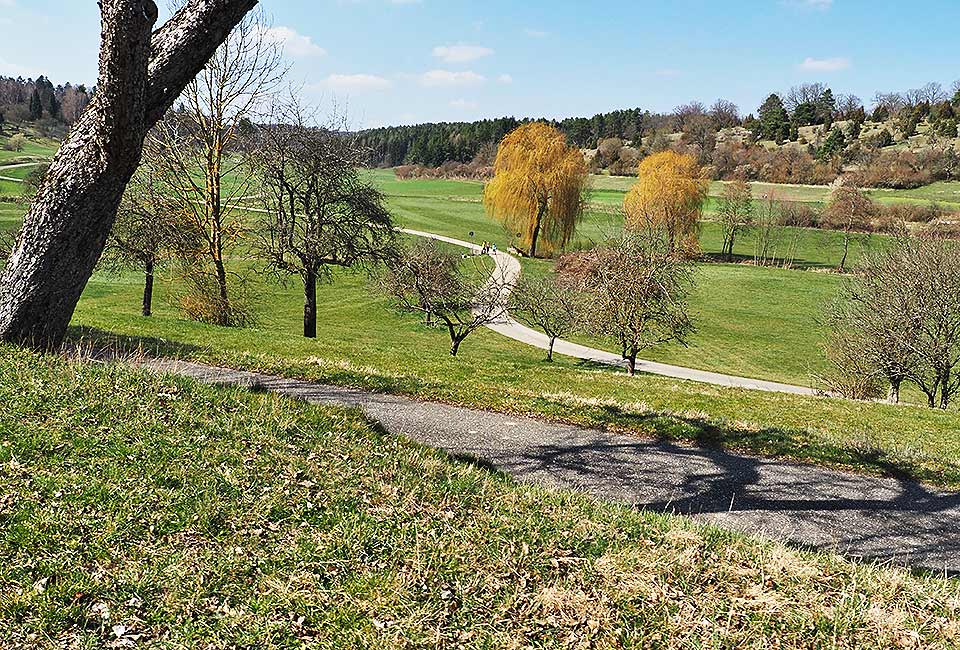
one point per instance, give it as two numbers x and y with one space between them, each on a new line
944 192
33 149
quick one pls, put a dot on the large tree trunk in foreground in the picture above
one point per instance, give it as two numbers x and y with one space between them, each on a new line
141 75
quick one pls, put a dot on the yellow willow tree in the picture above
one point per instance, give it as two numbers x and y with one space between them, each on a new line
668 196
537 188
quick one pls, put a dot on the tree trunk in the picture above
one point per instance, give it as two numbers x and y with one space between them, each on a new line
846 249
65 230
631 360
148 288
455 345
945 389
553 340
893 394
541 210
310 305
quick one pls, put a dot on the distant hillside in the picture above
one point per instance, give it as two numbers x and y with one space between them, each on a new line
806 135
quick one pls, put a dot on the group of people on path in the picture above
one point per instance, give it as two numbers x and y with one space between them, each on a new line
488 248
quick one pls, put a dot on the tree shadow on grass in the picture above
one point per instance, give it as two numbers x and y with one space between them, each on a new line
95 343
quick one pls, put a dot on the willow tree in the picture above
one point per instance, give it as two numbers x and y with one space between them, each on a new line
668 197
537 188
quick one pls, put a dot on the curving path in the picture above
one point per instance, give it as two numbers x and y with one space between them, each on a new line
508 267
893 519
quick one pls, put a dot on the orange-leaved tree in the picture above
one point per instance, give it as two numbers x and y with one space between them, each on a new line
537 188
668 196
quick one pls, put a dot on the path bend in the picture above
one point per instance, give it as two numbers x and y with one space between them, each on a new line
508 268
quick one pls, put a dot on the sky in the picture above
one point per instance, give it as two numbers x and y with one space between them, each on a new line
411 61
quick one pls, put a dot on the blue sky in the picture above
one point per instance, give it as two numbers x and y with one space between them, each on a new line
405 61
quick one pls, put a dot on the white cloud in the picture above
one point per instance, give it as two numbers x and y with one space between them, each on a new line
833 64
505 79
461 53
535 33
450 78
357 83
463 103
294 44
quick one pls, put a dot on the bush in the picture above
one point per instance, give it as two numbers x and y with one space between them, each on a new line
801 215
15 142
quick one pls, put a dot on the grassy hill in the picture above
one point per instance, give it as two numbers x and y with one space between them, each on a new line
153 511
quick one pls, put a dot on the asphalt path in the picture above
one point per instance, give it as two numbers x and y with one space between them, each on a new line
892 519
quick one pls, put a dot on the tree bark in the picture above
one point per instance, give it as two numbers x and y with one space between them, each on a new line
65 230
893 394
148 289
553 340
541 210
310 305
631 360
846 249
455 345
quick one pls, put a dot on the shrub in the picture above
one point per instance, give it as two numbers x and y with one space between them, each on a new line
15 142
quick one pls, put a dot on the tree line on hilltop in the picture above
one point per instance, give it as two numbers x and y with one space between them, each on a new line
39 101
818 133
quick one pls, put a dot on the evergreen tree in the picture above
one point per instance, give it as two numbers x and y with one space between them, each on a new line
53 108
36 107
774 121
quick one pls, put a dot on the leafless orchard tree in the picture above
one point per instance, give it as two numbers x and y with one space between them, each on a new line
428 280
849 211
547 304
735 214
145 232
321 212
142 72
638 291
901 313
875 338
198 147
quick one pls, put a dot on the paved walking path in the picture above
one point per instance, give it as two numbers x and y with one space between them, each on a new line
508 269
860 516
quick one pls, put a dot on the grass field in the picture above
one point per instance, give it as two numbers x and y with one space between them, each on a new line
152 511
751 321
947 193
34 149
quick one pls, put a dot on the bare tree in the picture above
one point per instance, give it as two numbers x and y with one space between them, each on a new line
198 147
638 289
849 211
808 93
735 214
142 72
892 103
426 279
724 114
548 304
144 232
874 336
901 315
321 213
